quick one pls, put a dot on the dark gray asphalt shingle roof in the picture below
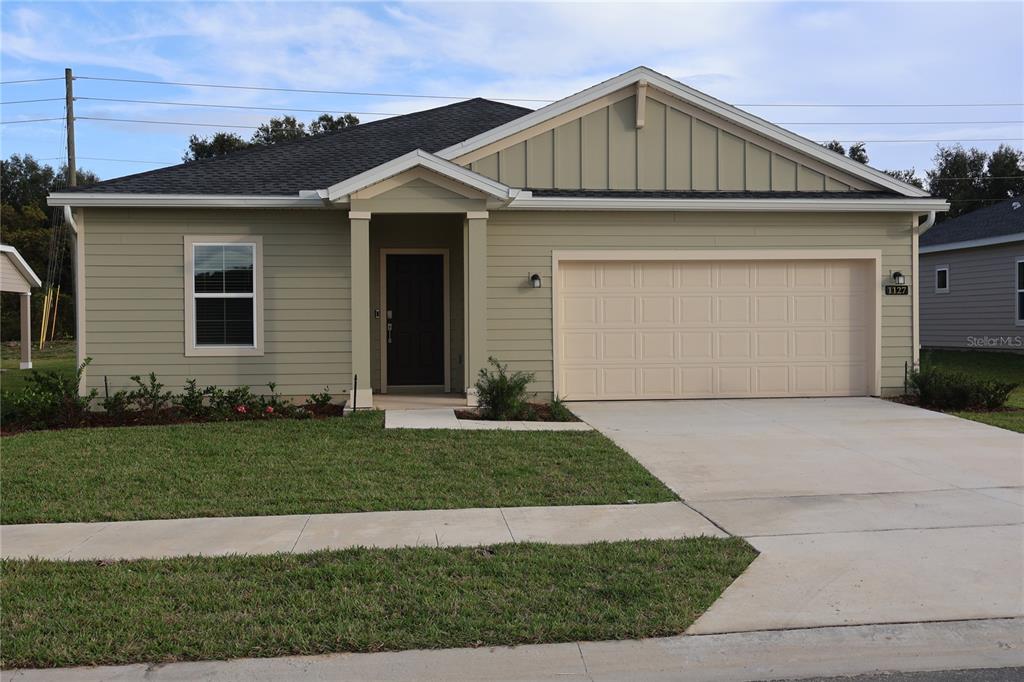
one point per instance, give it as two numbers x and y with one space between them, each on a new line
708 194
319 162
998 220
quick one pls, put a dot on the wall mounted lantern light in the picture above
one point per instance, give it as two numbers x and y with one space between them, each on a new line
898 278
535 281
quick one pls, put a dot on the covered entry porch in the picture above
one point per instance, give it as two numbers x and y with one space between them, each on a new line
418 230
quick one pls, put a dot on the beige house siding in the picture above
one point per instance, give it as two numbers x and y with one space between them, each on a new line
430 231
678 148
134 274
520 318
981 301
10 278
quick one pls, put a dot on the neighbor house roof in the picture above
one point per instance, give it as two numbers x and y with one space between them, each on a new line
310 163
996 224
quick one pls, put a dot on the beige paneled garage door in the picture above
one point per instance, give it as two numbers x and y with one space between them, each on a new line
702 329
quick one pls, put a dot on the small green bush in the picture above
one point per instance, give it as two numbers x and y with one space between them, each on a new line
321 399
149 398
117 405
55 400
948 390
502 395
559 411
192 400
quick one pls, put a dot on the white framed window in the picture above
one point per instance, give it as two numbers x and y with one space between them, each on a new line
224 295
1019 281
942 279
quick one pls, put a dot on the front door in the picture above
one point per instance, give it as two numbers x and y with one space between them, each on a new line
415 319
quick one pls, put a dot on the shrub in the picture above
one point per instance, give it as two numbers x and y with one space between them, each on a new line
321 399
559 411
56 402
149 398
191 401
117 405
502 395
947 390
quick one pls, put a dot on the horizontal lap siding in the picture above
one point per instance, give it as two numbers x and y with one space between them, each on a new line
135 306
981 300
519 243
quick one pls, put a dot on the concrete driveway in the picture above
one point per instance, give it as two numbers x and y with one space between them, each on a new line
865 511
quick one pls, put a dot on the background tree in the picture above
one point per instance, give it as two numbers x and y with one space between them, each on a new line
273 131
971 178
27 224
857 151
908 176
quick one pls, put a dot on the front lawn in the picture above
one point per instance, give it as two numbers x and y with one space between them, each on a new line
57 355
92 613
305 467
987 365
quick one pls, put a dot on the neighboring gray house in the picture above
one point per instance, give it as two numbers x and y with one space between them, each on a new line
972 286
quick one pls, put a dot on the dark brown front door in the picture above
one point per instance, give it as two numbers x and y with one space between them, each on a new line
415 310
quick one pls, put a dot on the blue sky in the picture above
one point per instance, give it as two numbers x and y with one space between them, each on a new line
757 53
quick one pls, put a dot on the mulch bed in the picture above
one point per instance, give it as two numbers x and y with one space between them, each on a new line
541 412
165 417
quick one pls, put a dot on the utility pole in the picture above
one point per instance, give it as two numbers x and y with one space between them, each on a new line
69 105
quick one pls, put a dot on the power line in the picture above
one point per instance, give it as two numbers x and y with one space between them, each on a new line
310 91
101 158
894 123
523 99
170 123
966 139
32 80
26 101
237 106
31 120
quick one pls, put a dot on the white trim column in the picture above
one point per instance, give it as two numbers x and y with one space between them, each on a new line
359 233
26 330
475 259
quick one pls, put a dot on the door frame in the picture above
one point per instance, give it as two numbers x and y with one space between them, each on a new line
873 257
383 302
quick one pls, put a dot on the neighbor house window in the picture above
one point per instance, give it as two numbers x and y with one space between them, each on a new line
942 279
1020 290
223 280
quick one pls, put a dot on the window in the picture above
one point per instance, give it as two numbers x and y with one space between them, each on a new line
1020 290
224 309
942 279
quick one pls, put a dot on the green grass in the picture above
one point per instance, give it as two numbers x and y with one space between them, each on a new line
988 365
91 613
59 356
306 467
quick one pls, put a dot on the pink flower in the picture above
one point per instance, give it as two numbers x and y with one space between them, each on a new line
269 410
240 409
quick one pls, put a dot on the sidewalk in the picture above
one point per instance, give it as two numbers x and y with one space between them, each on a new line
307 533
710 658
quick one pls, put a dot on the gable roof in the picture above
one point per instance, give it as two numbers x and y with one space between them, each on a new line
20 264
996 224
317 162
643 74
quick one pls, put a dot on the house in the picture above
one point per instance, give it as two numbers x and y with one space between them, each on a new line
972 294
17 277
638 239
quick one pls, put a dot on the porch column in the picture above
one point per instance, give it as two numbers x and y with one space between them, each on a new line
359 227
476 299
26 330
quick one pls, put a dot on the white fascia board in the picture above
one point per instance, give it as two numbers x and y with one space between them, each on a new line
85 199
698 99
418 158
23 267
973 243
525 202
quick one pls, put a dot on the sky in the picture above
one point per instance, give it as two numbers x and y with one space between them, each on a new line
748 54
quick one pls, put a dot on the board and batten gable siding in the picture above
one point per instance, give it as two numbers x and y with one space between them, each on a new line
135 298
981 300
519 318
678 148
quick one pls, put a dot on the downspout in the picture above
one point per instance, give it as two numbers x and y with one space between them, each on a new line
79 275
915 267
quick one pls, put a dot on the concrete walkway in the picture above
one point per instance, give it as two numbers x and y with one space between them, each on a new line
444 418
865 511
708 658
307 533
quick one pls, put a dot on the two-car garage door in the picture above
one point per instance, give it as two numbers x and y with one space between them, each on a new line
713 329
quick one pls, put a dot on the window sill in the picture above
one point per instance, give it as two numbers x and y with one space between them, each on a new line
222 351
